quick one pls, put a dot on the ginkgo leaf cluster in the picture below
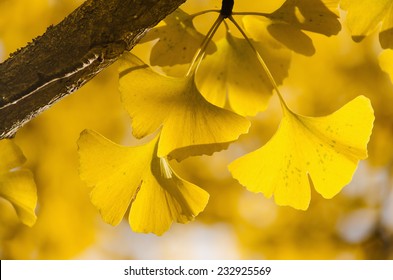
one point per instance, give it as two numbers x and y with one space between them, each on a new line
201 113
204 111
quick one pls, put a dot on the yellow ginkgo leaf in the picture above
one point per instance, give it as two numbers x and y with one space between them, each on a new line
286 34
322 152
190 124
123 176
178 40
288 23
16 183
385 62
319 16
233 76
364 16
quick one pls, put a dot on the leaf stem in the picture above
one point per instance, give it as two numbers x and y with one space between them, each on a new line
226 8
204 12
201 50
262 62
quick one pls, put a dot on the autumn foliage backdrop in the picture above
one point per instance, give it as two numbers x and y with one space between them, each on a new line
317 75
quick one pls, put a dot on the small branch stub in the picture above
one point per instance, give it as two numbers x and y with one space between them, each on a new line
226 8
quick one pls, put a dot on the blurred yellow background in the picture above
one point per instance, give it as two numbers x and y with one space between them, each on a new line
236 224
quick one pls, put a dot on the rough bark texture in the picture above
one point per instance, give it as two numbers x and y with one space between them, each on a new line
69 54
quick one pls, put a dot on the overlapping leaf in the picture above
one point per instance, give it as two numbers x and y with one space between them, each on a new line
190 125
16 183
123 176
364 16
234 77
287 23
305 151
178 40
319 16
385 62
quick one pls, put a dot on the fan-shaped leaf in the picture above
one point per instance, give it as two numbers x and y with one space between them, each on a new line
123 176
305 151
190 124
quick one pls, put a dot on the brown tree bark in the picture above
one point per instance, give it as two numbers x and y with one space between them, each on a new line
69 54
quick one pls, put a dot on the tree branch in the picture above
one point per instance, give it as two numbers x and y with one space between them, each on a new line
69 54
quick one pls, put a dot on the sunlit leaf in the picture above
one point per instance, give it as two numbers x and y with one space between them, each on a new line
234 77
288 23
123 176
178 40
16 183
288 35
364 16
190 124
322 152
319 16
385 61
